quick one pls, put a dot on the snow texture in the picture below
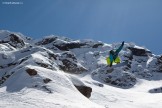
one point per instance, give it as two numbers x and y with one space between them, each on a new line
55 71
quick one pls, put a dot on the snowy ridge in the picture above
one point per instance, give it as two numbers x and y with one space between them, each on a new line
58 72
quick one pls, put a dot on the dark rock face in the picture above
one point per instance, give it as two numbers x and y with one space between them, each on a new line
69 55
51 55
159 64
46 80
45 88
31 72
86 91
69 61
138 52
115 77
16 41
160 68
126 81
42 64
47 41
160 59
156 90
23 60
4 78
71 67
97 45
67 46
11 64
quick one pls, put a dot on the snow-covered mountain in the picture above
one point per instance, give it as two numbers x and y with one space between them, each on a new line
58 72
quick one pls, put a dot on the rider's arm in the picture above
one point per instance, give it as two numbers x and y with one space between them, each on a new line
119 49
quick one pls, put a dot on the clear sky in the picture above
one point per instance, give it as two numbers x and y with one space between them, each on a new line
138 21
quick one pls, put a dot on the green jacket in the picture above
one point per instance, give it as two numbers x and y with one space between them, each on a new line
114 54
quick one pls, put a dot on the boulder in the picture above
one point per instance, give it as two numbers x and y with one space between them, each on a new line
156 90
85 90
31 72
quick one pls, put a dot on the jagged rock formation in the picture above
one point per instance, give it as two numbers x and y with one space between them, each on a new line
61 53
47 65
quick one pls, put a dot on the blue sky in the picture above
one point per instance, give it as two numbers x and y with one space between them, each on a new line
138 21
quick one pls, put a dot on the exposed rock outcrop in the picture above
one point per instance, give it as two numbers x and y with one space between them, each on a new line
70 63
85 90
31 72
139 51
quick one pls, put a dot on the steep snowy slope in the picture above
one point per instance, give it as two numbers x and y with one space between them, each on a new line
58 72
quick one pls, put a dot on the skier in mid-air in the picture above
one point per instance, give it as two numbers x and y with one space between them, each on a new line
113 55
